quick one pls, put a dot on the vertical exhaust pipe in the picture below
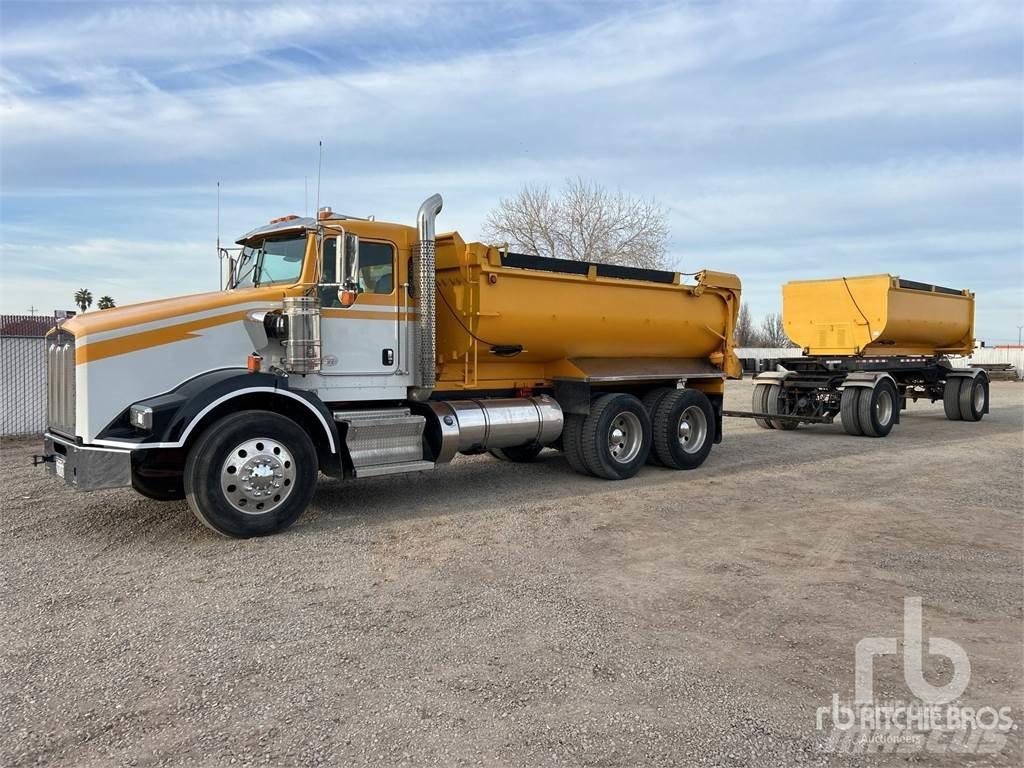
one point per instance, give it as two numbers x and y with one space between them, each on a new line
425 280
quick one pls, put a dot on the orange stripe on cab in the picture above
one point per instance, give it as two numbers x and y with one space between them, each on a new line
132 342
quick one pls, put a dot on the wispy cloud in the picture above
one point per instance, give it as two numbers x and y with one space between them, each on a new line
784 138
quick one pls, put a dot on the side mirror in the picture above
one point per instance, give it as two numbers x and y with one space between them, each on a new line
347 268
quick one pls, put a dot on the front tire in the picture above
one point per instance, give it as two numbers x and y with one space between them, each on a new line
251 473
169 488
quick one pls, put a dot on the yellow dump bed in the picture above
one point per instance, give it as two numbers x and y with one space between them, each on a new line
877 315
572 319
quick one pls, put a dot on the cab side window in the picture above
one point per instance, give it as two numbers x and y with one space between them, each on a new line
376 270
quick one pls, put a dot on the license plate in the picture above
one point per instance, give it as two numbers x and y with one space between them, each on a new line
58 463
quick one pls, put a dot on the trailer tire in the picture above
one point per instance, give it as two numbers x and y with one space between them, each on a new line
849 411
571 443
772 403
877 409
518 454
616 436
951 397
759 405
651 401
684 429
249 445
973 398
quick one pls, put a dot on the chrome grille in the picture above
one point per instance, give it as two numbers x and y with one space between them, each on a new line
60 383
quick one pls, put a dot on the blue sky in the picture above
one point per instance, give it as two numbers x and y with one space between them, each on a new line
786 140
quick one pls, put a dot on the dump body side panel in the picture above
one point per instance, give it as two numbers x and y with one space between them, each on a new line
544 319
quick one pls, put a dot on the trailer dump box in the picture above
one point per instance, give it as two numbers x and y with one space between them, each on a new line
871 345
877 315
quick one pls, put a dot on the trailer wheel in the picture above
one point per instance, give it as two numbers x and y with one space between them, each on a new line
849 411
520 454
616 436
973 398
772 402
572 443
651 401
951 397
759 405
684 429
251 473
877 409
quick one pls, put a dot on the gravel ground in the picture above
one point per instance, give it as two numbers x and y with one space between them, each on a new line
501 614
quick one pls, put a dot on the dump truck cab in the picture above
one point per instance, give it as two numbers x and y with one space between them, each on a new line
361 348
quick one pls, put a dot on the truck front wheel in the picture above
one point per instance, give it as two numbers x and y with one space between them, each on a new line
251 473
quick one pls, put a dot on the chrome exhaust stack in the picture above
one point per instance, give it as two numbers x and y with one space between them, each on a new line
425 282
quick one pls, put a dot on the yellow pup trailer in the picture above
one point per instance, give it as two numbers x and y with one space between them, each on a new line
871 343
361 348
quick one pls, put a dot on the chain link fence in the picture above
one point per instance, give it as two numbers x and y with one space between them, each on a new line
22 374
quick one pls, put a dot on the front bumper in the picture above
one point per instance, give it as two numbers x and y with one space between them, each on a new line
86 467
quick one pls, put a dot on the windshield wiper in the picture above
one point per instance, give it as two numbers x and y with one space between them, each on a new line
255 261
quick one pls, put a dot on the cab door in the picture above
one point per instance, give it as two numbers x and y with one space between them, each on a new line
362 339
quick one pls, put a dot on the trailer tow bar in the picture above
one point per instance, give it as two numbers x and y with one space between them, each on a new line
779 417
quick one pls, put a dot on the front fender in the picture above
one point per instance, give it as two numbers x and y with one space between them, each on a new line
174 415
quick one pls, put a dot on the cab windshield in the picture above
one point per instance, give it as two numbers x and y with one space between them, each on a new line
275 260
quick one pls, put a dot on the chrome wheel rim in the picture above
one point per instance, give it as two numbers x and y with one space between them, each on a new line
693 429
625 437
979 397
258 476
883 407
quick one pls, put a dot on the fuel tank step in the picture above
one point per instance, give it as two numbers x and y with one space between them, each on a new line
379 438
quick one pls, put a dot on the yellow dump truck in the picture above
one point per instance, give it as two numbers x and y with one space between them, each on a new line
361 348
870 344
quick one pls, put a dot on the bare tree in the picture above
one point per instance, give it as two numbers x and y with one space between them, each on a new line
586 222
773 333
744 334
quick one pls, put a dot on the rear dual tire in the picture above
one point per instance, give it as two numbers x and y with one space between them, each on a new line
965 399
518 454
869 411
674 428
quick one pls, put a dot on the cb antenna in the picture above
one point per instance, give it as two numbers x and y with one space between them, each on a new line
220 259
319 168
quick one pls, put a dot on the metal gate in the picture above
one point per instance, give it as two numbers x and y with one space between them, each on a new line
22 385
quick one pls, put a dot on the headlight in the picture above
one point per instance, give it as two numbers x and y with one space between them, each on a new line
141 416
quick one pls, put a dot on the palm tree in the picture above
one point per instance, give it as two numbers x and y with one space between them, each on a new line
83 298
105 302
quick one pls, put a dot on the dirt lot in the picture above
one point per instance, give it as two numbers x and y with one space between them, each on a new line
502 614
